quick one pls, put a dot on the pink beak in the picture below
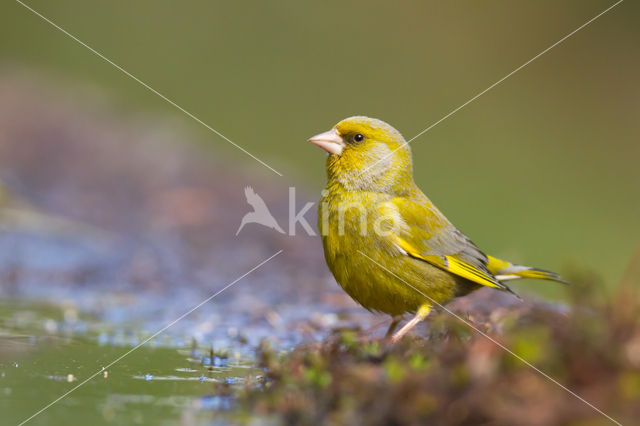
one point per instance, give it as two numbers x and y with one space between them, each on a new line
330 141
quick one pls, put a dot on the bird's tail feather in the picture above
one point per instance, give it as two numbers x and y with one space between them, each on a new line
535 273
505 271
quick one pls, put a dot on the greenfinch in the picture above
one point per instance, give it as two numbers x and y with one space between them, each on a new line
385 242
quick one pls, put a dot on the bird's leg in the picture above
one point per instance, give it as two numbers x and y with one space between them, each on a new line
395 320
422 313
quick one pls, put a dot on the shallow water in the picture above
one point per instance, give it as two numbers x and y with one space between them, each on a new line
147 361
46 351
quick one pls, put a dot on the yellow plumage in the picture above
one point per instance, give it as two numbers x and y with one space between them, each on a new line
384 241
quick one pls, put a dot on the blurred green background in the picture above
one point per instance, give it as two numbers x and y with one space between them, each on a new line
543 168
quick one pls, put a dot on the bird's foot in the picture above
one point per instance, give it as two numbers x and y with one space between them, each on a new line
420 315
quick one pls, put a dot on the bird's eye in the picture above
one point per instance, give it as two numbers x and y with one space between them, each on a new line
358 137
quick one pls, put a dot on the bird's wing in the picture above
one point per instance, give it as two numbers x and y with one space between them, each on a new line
426 234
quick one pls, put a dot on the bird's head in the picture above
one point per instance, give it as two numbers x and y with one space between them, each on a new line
366 154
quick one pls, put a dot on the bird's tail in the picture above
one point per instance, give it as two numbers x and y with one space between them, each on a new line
505 271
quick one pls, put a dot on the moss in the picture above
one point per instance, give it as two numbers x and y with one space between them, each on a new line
455 375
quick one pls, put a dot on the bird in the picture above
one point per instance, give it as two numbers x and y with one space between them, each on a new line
260 213
385 242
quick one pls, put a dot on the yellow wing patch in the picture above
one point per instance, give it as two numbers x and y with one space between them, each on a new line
453 265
